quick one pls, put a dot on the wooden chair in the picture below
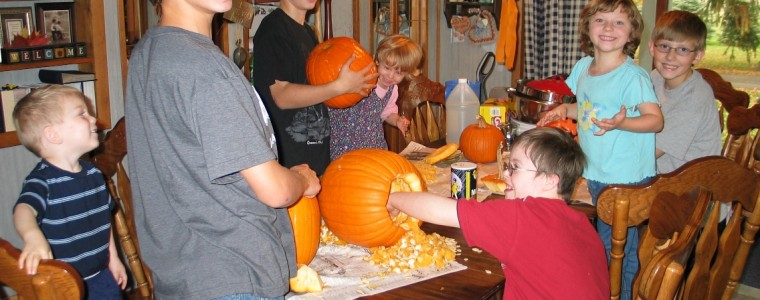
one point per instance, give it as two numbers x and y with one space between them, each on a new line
666 245
54 279
422 102
729 99
108 159
740 145
625 206
725 92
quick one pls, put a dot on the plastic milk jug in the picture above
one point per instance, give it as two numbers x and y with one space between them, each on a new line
462 106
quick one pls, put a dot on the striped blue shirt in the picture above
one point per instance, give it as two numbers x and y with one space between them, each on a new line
74 213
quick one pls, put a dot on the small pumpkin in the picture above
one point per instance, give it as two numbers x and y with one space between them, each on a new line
355 190
568 125
306 221
325 61
480 141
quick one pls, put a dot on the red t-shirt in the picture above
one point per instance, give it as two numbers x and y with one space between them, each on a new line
547 249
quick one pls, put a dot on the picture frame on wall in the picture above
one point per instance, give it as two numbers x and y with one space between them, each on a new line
55 21
13 21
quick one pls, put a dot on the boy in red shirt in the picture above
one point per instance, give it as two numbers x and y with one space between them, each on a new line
547 249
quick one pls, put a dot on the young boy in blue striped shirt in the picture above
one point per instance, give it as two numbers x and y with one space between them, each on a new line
64 210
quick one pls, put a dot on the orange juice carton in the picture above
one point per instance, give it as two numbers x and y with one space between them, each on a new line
497 110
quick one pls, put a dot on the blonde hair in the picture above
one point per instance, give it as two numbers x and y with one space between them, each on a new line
627 7
678 26
398 51
39 109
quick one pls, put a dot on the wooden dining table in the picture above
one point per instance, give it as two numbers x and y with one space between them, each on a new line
483 278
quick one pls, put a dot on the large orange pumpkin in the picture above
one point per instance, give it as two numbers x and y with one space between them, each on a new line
480 141
355 190
304 215
325 61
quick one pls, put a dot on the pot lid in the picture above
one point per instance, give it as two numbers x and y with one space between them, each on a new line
554 84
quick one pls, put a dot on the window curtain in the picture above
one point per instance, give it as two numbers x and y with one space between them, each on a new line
552 42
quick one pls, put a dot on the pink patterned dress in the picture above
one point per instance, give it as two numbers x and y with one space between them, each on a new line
359 126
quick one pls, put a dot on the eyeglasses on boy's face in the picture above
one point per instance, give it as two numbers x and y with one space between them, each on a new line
511 168
681 51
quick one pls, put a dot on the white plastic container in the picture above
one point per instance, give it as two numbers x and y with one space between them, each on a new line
462 106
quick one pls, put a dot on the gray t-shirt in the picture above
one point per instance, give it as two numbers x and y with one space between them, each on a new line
193 123
692 128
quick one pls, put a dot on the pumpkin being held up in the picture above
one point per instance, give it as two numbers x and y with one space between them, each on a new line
325 61
480 141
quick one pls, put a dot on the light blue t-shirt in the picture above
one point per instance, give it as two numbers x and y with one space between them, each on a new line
618 156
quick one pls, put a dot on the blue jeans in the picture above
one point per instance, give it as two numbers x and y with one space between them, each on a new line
247 297
103 286
631 256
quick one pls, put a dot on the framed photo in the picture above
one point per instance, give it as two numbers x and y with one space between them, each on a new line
13 20
55 21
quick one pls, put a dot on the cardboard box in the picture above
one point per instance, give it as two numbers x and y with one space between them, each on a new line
497 110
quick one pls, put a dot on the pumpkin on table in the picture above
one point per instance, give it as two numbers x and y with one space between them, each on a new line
306 221
355 190
480 141
325 61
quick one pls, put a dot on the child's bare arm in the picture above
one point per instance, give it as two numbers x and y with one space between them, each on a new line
399 122
564 111
115 265
650 120
425 206
36 247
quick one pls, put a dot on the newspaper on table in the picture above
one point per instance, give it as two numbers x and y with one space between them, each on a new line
346 274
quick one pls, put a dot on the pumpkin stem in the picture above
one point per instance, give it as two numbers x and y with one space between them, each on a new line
481 121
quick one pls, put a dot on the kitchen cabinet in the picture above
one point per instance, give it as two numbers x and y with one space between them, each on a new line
89 24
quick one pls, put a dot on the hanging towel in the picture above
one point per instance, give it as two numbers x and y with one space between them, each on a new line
506 45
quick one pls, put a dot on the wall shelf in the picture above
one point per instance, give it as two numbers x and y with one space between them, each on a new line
90 29
463 9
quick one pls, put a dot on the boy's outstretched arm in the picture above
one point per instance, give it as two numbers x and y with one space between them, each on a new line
36 247
650 120
425 206
115 266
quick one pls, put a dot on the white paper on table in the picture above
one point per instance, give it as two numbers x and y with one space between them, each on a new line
347 275
415 147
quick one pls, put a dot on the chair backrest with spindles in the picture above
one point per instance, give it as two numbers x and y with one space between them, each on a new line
666 245
624 206
109 159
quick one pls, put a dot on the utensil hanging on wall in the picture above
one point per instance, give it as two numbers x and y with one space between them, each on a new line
239 56
485 67
328 20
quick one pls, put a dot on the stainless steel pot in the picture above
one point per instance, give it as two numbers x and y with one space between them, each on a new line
542 95
530 109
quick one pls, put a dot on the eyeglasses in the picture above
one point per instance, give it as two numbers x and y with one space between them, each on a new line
681 51
510 169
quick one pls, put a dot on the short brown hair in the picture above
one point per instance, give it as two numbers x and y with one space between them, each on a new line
678 26
39 109
554 151
398 51
627 7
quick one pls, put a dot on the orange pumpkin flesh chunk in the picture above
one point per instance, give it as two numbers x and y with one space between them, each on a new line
306 281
